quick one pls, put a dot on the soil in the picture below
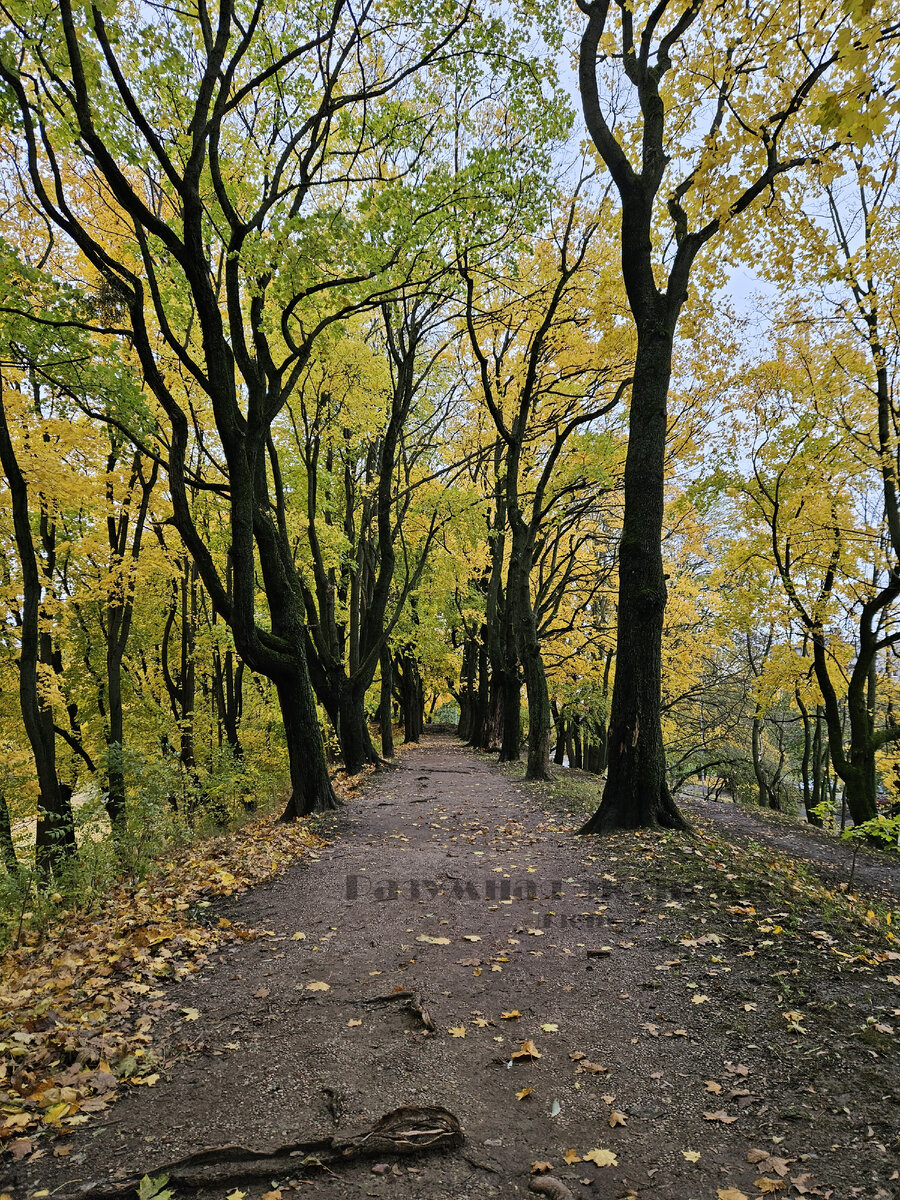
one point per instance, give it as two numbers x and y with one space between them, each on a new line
833 859
718 1029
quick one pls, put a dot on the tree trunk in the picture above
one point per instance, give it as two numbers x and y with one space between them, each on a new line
55 838
577 758
115 770
559 724
357 750
227 689
385 704
412 701
7 846
636 794
311 790
762 785
529 647
509 691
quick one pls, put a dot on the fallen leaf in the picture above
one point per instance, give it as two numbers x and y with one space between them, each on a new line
769 1162
352 1022
471 937
457 1031
712 1086
731 1194
617 1118
591 1068
571 1156
691 1155
768 1186
550 1028
527 1050
699 998
539 1168
512 1015
601 1158
296 937
803 1183
318 986
261 994
524 1092
720 1116
433 941
190 1014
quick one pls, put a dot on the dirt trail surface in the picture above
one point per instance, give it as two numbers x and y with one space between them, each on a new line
657 1032
830 858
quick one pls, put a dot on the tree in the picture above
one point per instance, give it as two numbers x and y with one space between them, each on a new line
219 260
692 142
548 366
55 842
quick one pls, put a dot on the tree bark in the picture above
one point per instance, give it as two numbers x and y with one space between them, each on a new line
311 790
636 794
7 846
386 702
55 839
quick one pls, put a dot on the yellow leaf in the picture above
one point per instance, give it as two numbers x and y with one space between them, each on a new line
571 1156
318 986
471 937
731 1194
276 1195
617 1118
524 1092
190 1014
296 937
56 1113
457 1031
538 1168
352 1022
691 1155
550 1028
235 1195
527 1050
511 1015
699 998
602 1158
433 941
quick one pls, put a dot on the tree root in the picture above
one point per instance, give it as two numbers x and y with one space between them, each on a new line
406 1130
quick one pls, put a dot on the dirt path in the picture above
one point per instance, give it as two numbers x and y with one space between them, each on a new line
447 881
824 853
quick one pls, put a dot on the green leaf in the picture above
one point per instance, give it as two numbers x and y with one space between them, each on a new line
153 1189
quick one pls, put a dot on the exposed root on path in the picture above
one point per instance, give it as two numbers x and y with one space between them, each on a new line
406 1130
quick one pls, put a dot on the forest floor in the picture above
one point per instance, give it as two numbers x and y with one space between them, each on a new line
669 1017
